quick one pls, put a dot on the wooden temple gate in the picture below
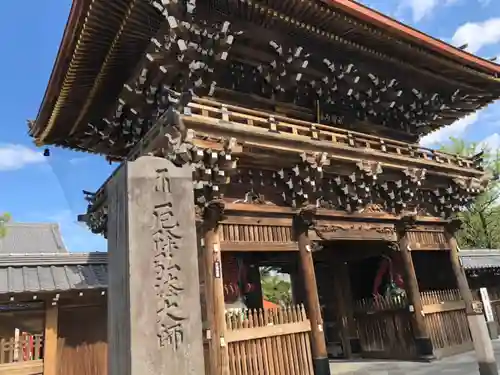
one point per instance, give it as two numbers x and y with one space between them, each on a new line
284 133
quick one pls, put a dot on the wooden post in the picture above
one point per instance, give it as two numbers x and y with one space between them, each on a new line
50 340
422 339
318 343
477 323
345 307
214 290
154 307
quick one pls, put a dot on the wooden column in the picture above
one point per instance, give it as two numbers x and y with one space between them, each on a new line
303 222
154 307
477 323
422 338
342 284
214 290
50 359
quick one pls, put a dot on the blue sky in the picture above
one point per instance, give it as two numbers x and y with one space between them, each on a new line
34 188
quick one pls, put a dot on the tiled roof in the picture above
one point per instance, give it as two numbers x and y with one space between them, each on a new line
20 273
22 238
480 258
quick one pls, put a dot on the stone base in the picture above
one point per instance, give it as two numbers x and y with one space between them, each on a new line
424 347
321 366
493 330
355 345
488 368
482 344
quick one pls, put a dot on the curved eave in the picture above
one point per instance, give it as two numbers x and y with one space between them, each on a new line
73 26
366 16
412 35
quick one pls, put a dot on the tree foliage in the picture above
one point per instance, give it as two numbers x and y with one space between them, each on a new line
274 288
4 219
481 221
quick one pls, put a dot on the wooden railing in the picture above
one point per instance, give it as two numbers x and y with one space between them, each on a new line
22 368
446 321
23 349
315 131
269 342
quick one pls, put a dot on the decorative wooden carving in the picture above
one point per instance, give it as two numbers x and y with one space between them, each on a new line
361 231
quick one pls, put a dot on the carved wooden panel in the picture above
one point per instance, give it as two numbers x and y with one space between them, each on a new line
324 230
428 238
255 233
243 233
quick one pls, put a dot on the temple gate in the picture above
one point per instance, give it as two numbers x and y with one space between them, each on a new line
282 128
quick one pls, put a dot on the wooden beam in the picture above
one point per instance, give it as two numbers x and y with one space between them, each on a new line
214 293
422 338
318 342
246 334
50 353
258 246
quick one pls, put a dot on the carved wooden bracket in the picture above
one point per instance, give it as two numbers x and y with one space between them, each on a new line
213 214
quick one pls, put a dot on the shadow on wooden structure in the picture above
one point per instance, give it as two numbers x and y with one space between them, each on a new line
269 342
446 322
384 328
82 342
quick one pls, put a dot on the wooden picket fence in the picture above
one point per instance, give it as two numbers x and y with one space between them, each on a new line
446 322
384 328
269 342
26 348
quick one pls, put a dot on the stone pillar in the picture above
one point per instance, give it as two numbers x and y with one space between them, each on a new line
422 338
477 323
318 343
154 312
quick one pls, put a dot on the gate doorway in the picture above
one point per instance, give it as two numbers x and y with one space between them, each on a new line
365 309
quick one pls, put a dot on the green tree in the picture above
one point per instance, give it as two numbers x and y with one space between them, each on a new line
276 290
481 222
4 219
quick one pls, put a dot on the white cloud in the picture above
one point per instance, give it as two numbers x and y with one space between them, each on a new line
422 8
477 35
15 156
490 143
456 129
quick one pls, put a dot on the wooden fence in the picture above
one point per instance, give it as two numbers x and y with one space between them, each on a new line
269 342
446 322
384 328
25 348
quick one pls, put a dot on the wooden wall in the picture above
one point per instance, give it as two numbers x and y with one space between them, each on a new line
82 341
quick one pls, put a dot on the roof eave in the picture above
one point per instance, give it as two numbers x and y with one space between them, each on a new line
410 34
66 47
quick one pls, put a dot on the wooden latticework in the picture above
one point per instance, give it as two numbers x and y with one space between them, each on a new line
446 321
269 342
255 233
384 328
25 348
428 238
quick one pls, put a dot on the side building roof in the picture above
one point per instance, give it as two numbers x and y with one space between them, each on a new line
28 238
480 258
45 273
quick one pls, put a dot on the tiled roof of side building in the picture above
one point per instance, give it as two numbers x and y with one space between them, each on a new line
29 238
480 258
58 272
